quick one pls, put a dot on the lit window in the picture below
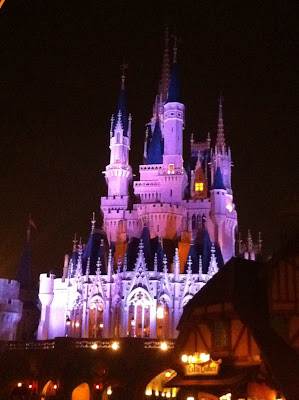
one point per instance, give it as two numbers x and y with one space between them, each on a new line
171 166
199 186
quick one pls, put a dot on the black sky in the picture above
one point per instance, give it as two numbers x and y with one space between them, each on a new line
59 81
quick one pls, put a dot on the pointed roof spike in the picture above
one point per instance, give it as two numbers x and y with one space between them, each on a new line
75 241
218 182
165 264
98 265
220 139
156 263
165 76
155 152
140 246
174 93
93 222
249 241
189 263
121 111
125 262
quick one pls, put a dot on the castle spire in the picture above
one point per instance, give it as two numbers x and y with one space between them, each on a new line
174 93
165 76
121 111
220 140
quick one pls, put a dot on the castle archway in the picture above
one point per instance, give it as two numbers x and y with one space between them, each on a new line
81 392
156 387
49 391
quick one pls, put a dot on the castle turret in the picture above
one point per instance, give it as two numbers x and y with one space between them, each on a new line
174 111
119 173
222 154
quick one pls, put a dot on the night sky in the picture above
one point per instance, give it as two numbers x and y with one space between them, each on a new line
59 82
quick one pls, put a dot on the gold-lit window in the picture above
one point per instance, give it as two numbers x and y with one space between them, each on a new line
171 166
199 187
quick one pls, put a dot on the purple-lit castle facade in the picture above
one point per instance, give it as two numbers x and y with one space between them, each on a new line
163 237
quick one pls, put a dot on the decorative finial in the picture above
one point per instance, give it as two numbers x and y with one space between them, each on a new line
93 222
99 264
123 68
125 263
189 263
164 263
165 77
220 141
75 241
156 263
140 246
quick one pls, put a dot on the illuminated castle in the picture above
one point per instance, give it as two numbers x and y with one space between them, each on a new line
163 237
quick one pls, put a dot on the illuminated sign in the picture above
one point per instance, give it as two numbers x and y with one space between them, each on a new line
200 364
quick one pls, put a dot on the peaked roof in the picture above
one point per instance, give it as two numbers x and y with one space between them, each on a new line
174 93
155 152
122 111
218 183
24 272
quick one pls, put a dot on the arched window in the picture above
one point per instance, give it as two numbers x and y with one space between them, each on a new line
74 321
139 314
95 320
193 221
162 320
198 221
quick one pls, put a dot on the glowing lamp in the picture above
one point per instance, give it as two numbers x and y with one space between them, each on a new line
114 346
190 398
168 394
184 358
55 387
132 322
101 326
160 312
148 392
167 374
20 384
30 386
163 394
109 391
164 346
229 207
204 357
77 324
157 393
68 321
94 346
97 387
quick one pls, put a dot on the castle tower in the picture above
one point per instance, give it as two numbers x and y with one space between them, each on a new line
174 111
222 154
224 217
118 173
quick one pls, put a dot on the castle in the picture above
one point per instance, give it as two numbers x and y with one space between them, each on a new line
163 237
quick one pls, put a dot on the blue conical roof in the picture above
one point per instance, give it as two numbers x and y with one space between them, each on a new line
24 273
218 183
122 110
174 93
155 151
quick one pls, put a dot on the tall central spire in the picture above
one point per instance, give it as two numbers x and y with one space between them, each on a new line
165 76
220 140
174 93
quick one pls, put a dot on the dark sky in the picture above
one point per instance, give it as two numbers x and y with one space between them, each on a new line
59 81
